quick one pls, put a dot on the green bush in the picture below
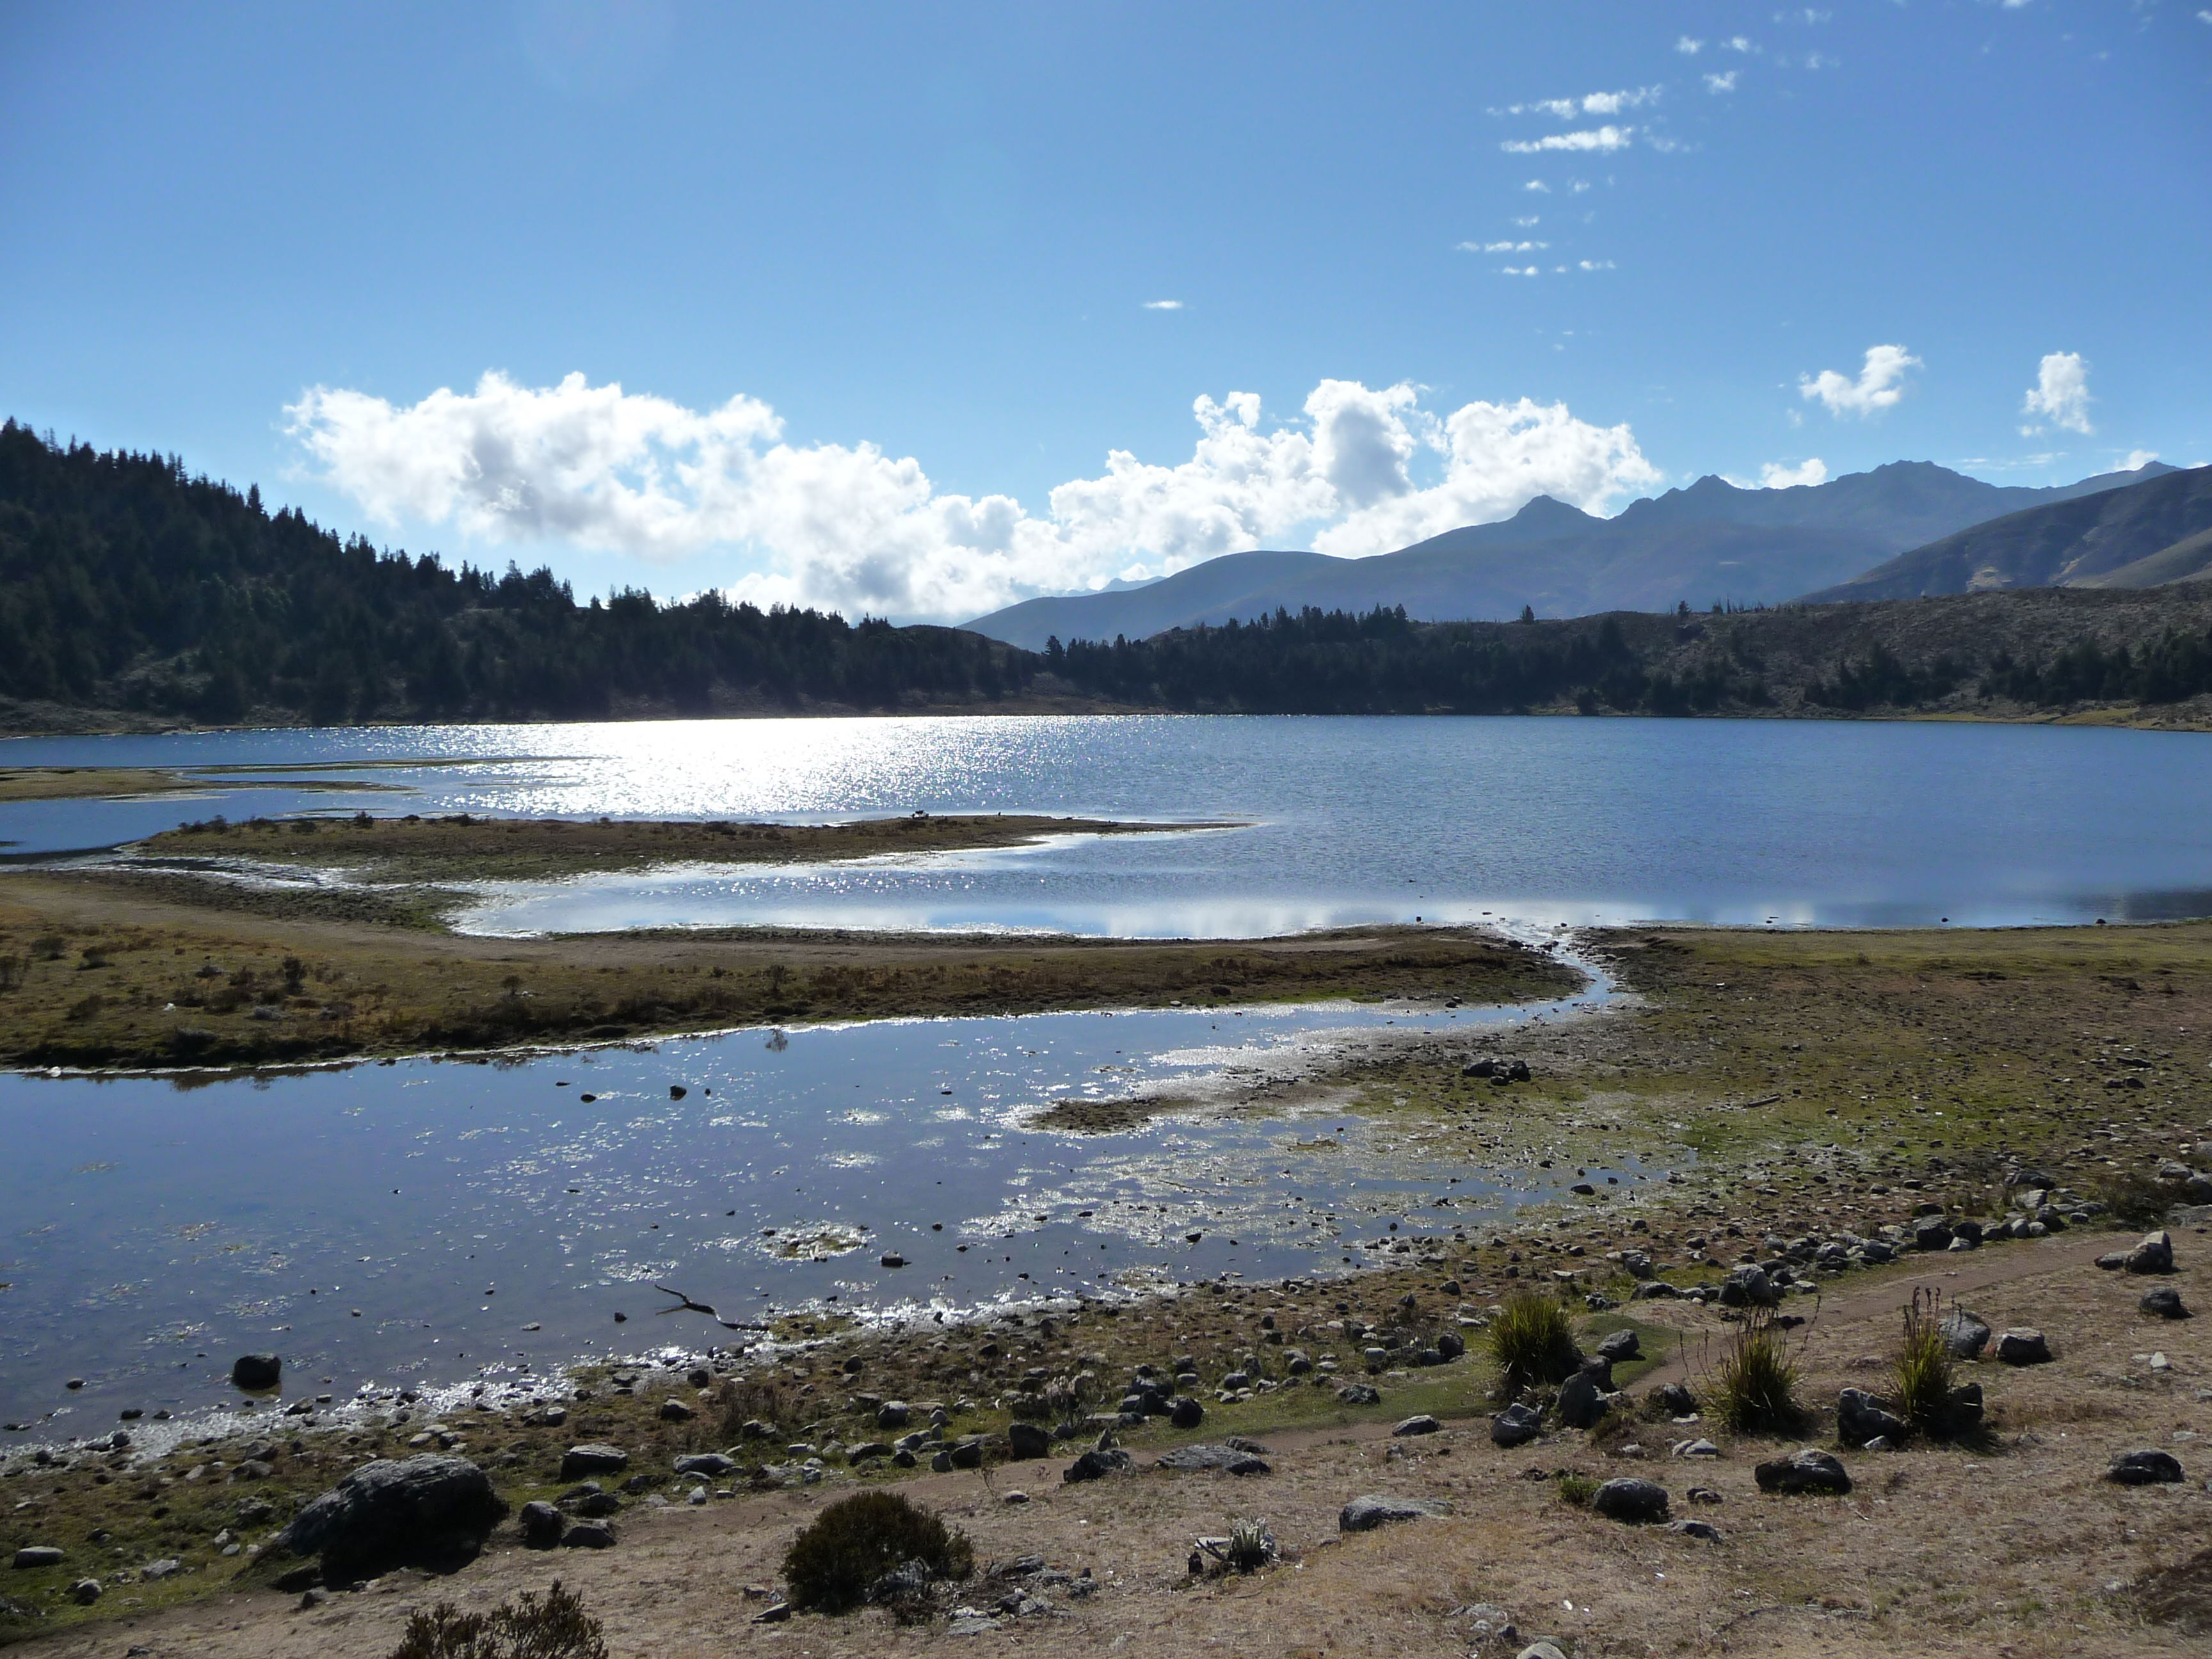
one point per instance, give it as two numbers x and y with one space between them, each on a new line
1754 1387
1920 1368
1577 1489
555 1628
1532 1341
856 1541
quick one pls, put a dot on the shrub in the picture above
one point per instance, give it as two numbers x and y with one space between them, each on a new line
1754 1387
1251 1545
1577 1489
2133 1197
856 1541
555 1628
1920 1368
1532 1341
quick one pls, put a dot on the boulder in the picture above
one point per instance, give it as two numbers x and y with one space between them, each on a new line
588 1535
1451 1345
2165 1302
431 1511
713 1465
1367 1513
1932 1233
254 1372
1962 1412
894 1414
1860 1418
1629 1499
1515 1425
1097 1464
541 1525
37 1555
2145 1468
1186 1412
1234 1459
1805 1470
1749 1287
85 1592
1359 1393
1620 1347
1581 1404
1540 1650
1964 1334
2023 1345
592 1459
1027 1440
675 1411
1704 1531
1423 1424
1677 1399
2154 1255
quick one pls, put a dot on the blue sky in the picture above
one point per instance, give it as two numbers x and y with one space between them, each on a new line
882 288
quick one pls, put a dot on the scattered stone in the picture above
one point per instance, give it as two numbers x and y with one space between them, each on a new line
588 1535
1027 1440
675 1411
711 1464
155 1572
2154 1255
894 1414
2165 1302
1367 1513
254 1372
1962 1415
429 1511
1097 1463
1860 1418
2113 1260
2145 1468
1360 1394
1632 1500
37 1555
1540 1651
1423 1424
1449 1345
1703 1495
1687 1449
777 1613
1932 1233
1235 1458
1678 1399
1964 1334
1582 1402
1515 1425
592 1459
1654 1290
1186 1412
2023 1345
85 1592
1807 1470
1620 1347
891 1259
1705 1531
541 1525
971 1624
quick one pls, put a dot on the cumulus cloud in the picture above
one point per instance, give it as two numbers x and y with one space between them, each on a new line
1688 47
1597 265
1502 248
2060 394
1722 82
1607 138
1164 304
1538 185
2139 459
1880 384
1364 470
1777 476
1590 103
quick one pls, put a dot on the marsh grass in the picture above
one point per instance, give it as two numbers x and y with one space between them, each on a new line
1532 1342
1753 1384
1920 1371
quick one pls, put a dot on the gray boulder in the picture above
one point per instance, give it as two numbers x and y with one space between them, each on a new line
1581 1405
430 1511
592 1459
2145 1468
1186 1412
541 1525
254 1372
1027 1440
1423 1424
2165 1302
1962 1413
1859 1417
1749 1287
2023 1345
1515 1425
1932 1233
1540 1650
1097 1464
1367 1513
1677 1399
1629 1499
1359 1393
37 1555
1803 1470
713 1465
1704 1531
2154 1255
1234 1459
1620 1347
1964 1334
588 1535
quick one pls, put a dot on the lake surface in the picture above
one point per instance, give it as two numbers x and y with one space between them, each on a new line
149 1231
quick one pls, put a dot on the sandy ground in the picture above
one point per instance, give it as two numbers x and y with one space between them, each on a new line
2017 1548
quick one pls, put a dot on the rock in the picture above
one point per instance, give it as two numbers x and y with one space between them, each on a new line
428 1511
675 1411
1803 1470
592 1459
85 1592
967 1454
155 1572
1186 1412
1234 1459
777 1613
37 1555
1749 1287
1540 1651
1582 1405
2154 1255
894 1414
2165 1302
711 1464
1027 1440
1932 1233
1705 1531
1678 1399
1620 1347
588 1535
253 1372
1450 1346
2112 1261
1367 1513
541 1524
593 1505
1097 1464
1629 1499
2023 1345
1360 1394
1423 1424
1860 1418
1655 1289
1964 1334
1515 1425
971 1624
891 1259
2145 1468
1962 1413
1694 1449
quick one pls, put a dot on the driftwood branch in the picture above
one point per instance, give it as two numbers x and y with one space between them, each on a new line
685 1304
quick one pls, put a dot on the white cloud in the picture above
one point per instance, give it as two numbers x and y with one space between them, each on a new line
1597 265
1880 384
1590 103
1518 270
1537 184
1607 138
1502 248
857 529
1739 42
2061 392
1164 304
1688 47
1775 475
2139 459
1528 220
1722 82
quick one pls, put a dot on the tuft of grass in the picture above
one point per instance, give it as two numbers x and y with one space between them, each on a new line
2180 1595
1531 1342
1577 1489
1753 1388
2133 1197
1920 1371
556 1627
1251 1545
831 1566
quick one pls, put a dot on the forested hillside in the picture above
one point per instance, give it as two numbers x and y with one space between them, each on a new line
126 584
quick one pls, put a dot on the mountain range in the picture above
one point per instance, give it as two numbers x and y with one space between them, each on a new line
1711 542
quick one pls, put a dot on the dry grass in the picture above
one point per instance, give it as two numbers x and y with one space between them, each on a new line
1920 1368
1753 1385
